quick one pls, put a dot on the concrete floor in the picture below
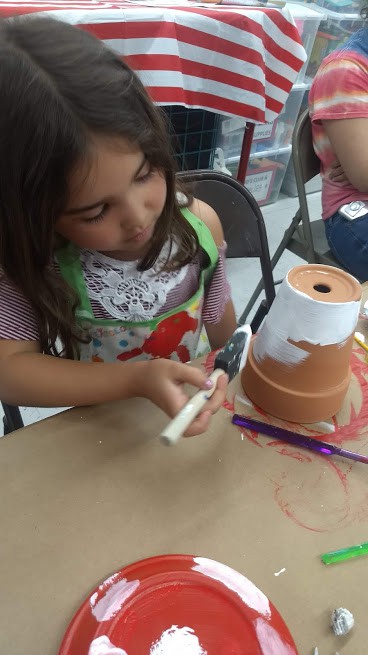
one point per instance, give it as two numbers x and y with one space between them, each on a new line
244 274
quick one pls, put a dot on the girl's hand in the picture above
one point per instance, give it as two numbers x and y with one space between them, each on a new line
162 382
337 173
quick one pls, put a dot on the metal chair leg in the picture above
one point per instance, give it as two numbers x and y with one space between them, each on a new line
259 316
12 418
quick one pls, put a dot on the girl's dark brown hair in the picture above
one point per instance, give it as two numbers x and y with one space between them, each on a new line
59 85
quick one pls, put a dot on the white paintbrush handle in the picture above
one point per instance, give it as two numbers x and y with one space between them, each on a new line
174 430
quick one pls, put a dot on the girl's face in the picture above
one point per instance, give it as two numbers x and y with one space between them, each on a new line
115 207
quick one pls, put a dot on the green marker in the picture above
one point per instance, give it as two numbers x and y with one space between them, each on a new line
343 554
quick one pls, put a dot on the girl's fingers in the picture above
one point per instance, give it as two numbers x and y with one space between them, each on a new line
200 424
217 399
176 398
187 374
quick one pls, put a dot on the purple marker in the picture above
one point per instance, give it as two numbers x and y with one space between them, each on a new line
300 440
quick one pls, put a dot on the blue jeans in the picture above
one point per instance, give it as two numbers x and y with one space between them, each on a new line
348 241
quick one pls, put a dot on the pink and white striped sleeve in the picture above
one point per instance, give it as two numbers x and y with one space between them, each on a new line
17 319
217 292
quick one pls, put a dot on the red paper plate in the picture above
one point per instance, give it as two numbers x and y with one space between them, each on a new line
177 605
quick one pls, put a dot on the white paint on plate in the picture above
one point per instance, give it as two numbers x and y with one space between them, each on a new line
177 641
270 641
109 581
103 646
114 598
238 583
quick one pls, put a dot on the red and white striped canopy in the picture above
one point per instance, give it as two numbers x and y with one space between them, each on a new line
239 61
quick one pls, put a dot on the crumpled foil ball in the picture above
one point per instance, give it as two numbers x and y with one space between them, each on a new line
342 621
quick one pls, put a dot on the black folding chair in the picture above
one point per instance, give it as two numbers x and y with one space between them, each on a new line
303 237
12 418
243 226
307 238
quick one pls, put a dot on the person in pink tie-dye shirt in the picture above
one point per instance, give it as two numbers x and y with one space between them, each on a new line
338 106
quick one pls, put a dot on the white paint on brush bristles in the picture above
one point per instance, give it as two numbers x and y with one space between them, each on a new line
177 641
295 316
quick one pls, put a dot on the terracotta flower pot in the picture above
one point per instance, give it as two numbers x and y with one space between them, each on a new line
298 365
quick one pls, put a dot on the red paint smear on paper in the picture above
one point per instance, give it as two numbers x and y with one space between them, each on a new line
336 519
343 513
290 452
229 404
250 435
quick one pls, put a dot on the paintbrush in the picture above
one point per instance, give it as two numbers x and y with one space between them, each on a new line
300 440
228 360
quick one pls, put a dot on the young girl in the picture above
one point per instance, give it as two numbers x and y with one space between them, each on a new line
106 281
